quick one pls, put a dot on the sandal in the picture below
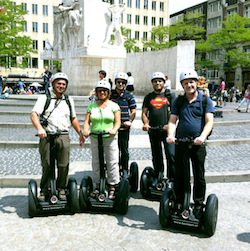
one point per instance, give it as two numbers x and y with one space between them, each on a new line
111 194
95 193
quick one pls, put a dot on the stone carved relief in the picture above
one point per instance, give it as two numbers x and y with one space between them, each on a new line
48 45
113 28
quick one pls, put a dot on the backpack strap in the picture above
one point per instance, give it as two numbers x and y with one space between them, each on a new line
69 105
47 103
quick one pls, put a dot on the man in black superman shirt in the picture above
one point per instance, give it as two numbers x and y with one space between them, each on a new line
155 112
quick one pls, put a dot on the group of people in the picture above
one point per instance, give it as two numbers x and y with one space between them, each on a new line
114 111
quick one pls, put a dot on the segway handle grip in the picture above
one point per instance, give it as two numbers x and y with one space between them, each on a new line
155 128
99 133
56 133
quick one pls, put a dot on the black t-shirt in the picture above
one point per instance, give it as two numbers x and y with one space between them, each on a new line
157 105
47 75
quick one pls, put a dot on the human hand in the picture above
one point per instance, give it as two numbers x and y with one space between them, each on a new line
145 127
127 123
112 132
41 133
81 139
171 140
199 140
86 133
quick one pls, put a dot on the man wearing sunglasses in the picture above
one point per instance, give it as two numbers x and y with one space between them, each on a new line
127 103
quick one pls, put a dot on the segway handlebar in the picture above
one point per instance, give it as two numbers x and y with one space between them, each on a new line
156 128
186 140
99 133
57 133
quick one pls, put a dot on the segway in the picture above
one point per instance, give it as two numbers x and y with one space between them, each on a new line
52 203
183 215
88 203
132 175
150 185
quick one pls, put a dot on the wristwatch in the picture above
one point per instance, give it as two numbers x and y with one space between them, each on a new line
131 120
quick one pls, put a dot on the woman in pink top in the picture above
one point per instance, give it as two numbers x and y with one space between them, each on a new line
245 99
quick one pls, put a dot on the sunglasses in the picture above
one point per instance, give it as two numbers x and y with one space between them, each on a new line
99 91
121 82
63 84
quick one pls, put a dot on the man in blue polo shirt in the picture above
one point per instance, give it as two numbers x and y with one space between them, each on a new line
196 124
127 104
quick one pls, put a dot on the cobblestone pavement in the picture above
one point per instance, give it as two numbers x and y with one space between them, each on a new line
139 229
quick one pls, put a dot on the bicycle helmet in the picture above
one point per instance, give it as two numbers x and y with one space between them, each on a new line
159 75
189 74
103 84
60 75
121 75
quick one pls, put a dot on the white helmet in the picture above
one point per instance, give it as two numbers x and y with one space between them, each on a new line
158 75
60 75
188 74
121 75
104 84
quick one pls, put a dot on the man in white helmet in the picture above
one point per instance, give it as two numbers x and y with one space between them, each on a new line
195 123
56 112
127 103
155 113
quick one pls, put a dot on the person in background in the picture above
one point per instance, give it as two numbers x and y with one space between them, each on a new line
21 86
130 83
167 84
47 76
245 99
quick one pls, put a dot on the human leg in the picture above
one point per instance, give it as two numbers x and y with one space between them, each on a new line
123 139
95 160
170 156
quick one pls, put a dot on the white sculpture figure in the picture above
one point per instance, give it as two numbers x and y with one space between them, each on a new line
114 28
48 45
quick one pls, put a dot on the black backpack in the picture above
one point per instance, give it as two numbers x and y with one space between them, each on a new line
47 103
180 102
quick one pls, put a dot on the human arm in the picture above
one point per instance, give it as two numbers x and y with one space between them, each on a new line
131 118
171 129
209 122
117 123
36 122
144 119
86 125
77 127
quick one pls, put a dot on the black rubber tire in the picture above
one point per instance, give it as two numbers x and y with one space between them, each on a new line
72 195
85 190
211 214
32 198
164 211
134 177
123 197
145 181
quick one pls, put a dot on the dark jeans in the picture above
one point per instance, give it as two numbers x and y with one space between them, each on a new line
62 159
156 140
46 86
197 155
123 138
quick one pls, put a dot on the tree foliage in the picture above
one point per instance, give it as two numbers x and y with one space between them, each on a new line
129 43
190 28
229 42
12 43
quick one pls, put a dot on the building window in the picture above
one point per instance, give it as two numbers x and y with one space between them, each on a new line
34 27
247 11
45 10
24 6
145 35
121 18
45 28
145 20
215 6
161 6
24 26
137 4
137 35
137 19
129 34
34 63
152 37
129 3
214 22
120 1
154 5
153 21
128 18
161 21
232 11
44 44
145 5
35 44
34 9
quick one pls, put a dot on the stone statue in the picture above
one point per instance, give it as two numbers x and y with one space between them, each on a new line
114 28
48 45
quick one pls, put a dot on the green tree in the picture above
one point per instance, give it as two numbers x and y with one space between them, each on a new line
228 42
12 43
190 28
129 43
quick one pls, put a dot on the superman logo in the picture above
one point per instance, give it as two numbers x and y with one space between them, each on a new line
158 102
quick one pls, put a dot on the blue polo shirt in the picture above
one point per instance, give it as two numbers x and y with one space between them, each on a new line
126 103
190 115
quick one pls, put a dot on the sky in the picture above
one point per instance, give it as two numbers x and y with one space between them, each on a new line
178 5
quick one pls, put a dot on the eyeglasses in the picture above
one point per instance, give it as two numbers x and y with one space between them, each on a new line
63 84
121 82
99 91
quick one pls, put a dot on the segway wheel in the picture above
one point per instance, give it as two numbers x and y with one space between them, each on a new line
164 211
145 181
85 190
123 197
134 176
72 195
32 198
211 214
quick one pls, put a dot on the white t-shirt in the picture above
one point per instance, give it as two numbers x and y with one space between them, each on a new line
59 119
167 84
130 80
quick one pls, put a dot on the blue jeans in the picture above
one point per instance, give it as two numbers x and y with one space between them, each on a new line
157 139
47 83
